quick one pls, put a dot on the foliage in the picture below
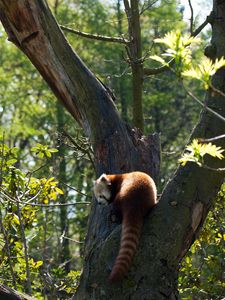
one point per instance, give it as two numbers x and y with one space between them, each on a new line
29 119
43 150
70 282
201 271
178 50
20 195
197 150
205 70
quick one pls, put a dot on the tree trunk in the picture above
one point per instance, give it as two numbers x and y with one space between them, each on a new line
171 227
134 50
121 66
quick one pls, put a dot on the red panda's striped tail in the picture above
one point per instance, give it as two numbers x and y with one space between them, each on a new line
131 229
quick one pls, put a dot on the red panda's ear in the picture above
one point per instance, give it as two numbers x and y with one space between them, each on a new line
104 178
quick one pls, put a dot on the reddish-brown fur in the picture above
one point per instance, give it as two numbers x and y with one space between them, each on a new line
133 195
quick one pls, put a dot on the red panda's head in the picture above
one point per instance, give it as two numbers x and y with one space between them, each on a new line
102 189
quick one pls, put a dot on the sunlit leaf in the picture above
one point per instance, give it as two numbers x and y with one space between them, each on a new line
205 70
178 49
197 151
59 191
159 59
11 161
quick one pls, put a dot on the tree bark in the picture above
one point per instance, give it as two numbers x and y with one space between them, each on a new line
7 293
171 227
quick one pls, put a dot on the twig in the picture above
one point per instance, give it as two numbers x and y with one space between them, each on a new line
67 238
95 36
192 16
128 14
79 147
216 90
208 20
36 170
203 105
29 174
155 71
6 240
24 241
150 4
10 198
213 169
74 189
123 72
2 157
33 198
222 136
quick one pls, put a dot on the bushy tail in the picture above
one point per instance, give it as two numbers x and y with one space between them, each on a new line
131 229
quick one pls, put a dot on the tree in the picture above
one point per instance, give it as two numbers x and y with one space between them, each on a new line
171 227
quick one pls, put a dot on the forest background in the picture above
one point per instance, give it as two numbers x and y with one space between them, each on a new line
45 152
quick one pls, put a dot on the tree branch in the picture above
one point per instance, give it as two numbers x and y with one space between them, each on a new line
84 150
204 105
7 246
146 7
72 240
95 36
2 157
217 90
192 17
207 21
24 241
11 199
159 70
127 7
222 136
213 169
11 294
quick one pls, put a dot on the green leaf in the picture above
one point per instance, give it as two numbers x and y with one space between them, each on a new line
15 219
10 162
59 191
37 264
205 70
197 151
159 59
53 150
40 154
47 153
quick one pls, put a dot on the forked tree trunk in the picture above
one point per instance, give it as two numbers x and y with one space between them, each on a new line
171 227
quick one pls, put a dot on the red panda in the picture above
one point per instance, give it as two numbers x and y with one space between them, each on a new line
133 195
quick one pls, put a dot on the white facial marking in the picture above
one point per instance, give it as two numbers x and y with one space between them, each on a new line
101 200
101 189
